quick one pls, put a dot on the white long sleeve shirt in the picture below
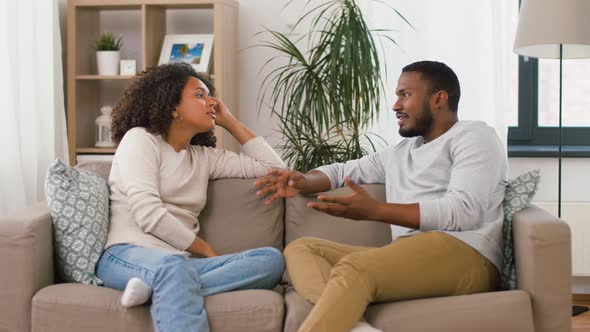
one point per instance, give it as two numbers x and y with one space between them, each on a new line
458 179
157 193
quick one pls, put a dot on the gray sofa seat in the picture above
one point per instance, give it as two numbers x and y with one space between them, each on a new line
76 307
508 311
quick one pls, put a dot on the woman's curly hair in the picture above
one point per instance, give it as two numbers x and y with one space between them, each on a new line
151 99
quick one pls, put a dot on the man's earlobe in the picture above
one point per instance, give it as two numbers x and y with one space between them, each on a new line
439 95
437 101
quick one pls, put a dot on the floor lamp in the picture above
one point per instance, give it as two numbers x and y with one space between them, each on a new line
554 29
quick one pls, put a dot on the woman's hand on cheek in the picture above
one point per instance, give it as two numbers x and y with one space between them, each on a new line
223 116
226 120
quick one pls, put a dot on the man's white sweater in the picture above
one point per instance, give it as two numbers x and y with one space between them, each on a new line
458 179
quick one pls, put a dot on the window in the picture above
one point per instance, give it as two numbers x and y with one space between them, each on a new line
535 132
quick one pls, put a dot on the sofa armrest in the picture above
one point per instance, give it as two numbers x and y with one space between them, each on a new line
26 262
542 251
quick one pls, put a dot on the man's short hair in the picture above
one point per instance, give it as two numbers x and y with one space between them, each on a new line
440 77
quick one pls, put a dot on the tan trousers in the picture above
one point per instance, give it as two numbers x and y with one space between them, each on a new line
342 280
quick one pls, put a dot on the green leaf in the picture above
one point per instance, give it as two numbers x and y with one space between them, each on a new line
325 98
107 42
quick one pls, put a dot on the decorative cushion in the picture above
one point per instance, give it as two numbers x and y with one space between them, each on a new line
519 194
79 205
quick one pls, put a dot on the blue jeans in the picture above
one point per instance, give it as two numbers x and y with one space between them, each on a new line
180 283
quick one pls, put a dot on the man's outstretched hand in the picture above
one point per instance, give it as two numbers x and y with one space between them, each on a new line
359 205
281 183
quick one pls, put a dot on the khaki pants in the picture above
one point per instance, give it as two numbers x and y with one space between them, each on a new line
342 280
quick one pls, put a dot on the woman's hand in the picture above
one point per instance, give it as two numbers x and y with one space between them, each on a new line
284 183
281 183
226 120
223 116
202 248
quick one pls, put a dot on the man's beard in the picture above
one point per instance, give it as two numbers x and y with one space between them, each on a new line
423 123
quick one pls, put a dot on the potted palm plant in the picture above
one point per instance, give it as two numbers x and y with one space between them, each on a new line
325 99
108 54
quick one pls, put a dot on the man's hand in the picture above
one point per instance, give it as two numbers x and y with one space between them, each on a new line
359 205
282 183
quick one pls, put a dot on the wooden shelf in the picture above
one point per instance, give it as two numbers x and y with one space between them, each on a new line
119 4
96 150
143 24
106 5
103 77
116 77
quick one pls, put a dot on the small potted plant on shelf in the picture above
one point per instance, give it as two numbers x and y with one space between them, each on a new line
107 54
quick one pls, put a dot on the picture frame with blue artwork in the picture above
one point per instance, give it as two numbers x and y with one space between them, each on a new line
193 49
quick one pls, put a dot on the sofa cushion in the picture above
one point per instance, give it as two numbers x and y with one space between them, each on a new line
79 205
486 312
303 221
100 167
235 219
75 307
519 194
297 308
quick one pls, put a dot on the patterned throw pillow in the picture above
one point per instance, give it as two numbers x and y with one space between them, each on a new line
519 194
79 206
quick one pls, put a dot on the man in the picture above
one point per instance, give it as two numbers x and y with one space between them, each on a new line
444 188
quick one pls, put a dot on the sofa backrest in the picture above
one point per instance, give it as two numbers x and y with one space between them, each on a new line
234 218
301 220
100 167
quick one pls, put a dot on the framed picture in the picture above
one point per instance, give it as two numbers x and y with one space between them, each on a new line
193 49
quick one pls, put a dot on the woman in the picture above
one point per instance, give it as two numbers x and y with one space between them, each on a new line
164 125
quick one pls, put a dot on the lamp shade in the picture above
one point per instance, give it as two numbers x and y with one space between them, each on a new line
545 24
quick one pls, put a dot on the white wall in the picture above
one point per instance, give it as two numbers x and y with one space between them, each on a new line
255 16
575 178
468 51
277 17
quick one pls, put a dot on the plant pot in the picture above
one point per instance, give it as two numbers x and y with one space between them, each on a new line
108 62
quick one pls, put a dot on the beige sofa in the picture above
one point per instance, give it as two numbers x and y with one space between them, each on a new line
235 219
